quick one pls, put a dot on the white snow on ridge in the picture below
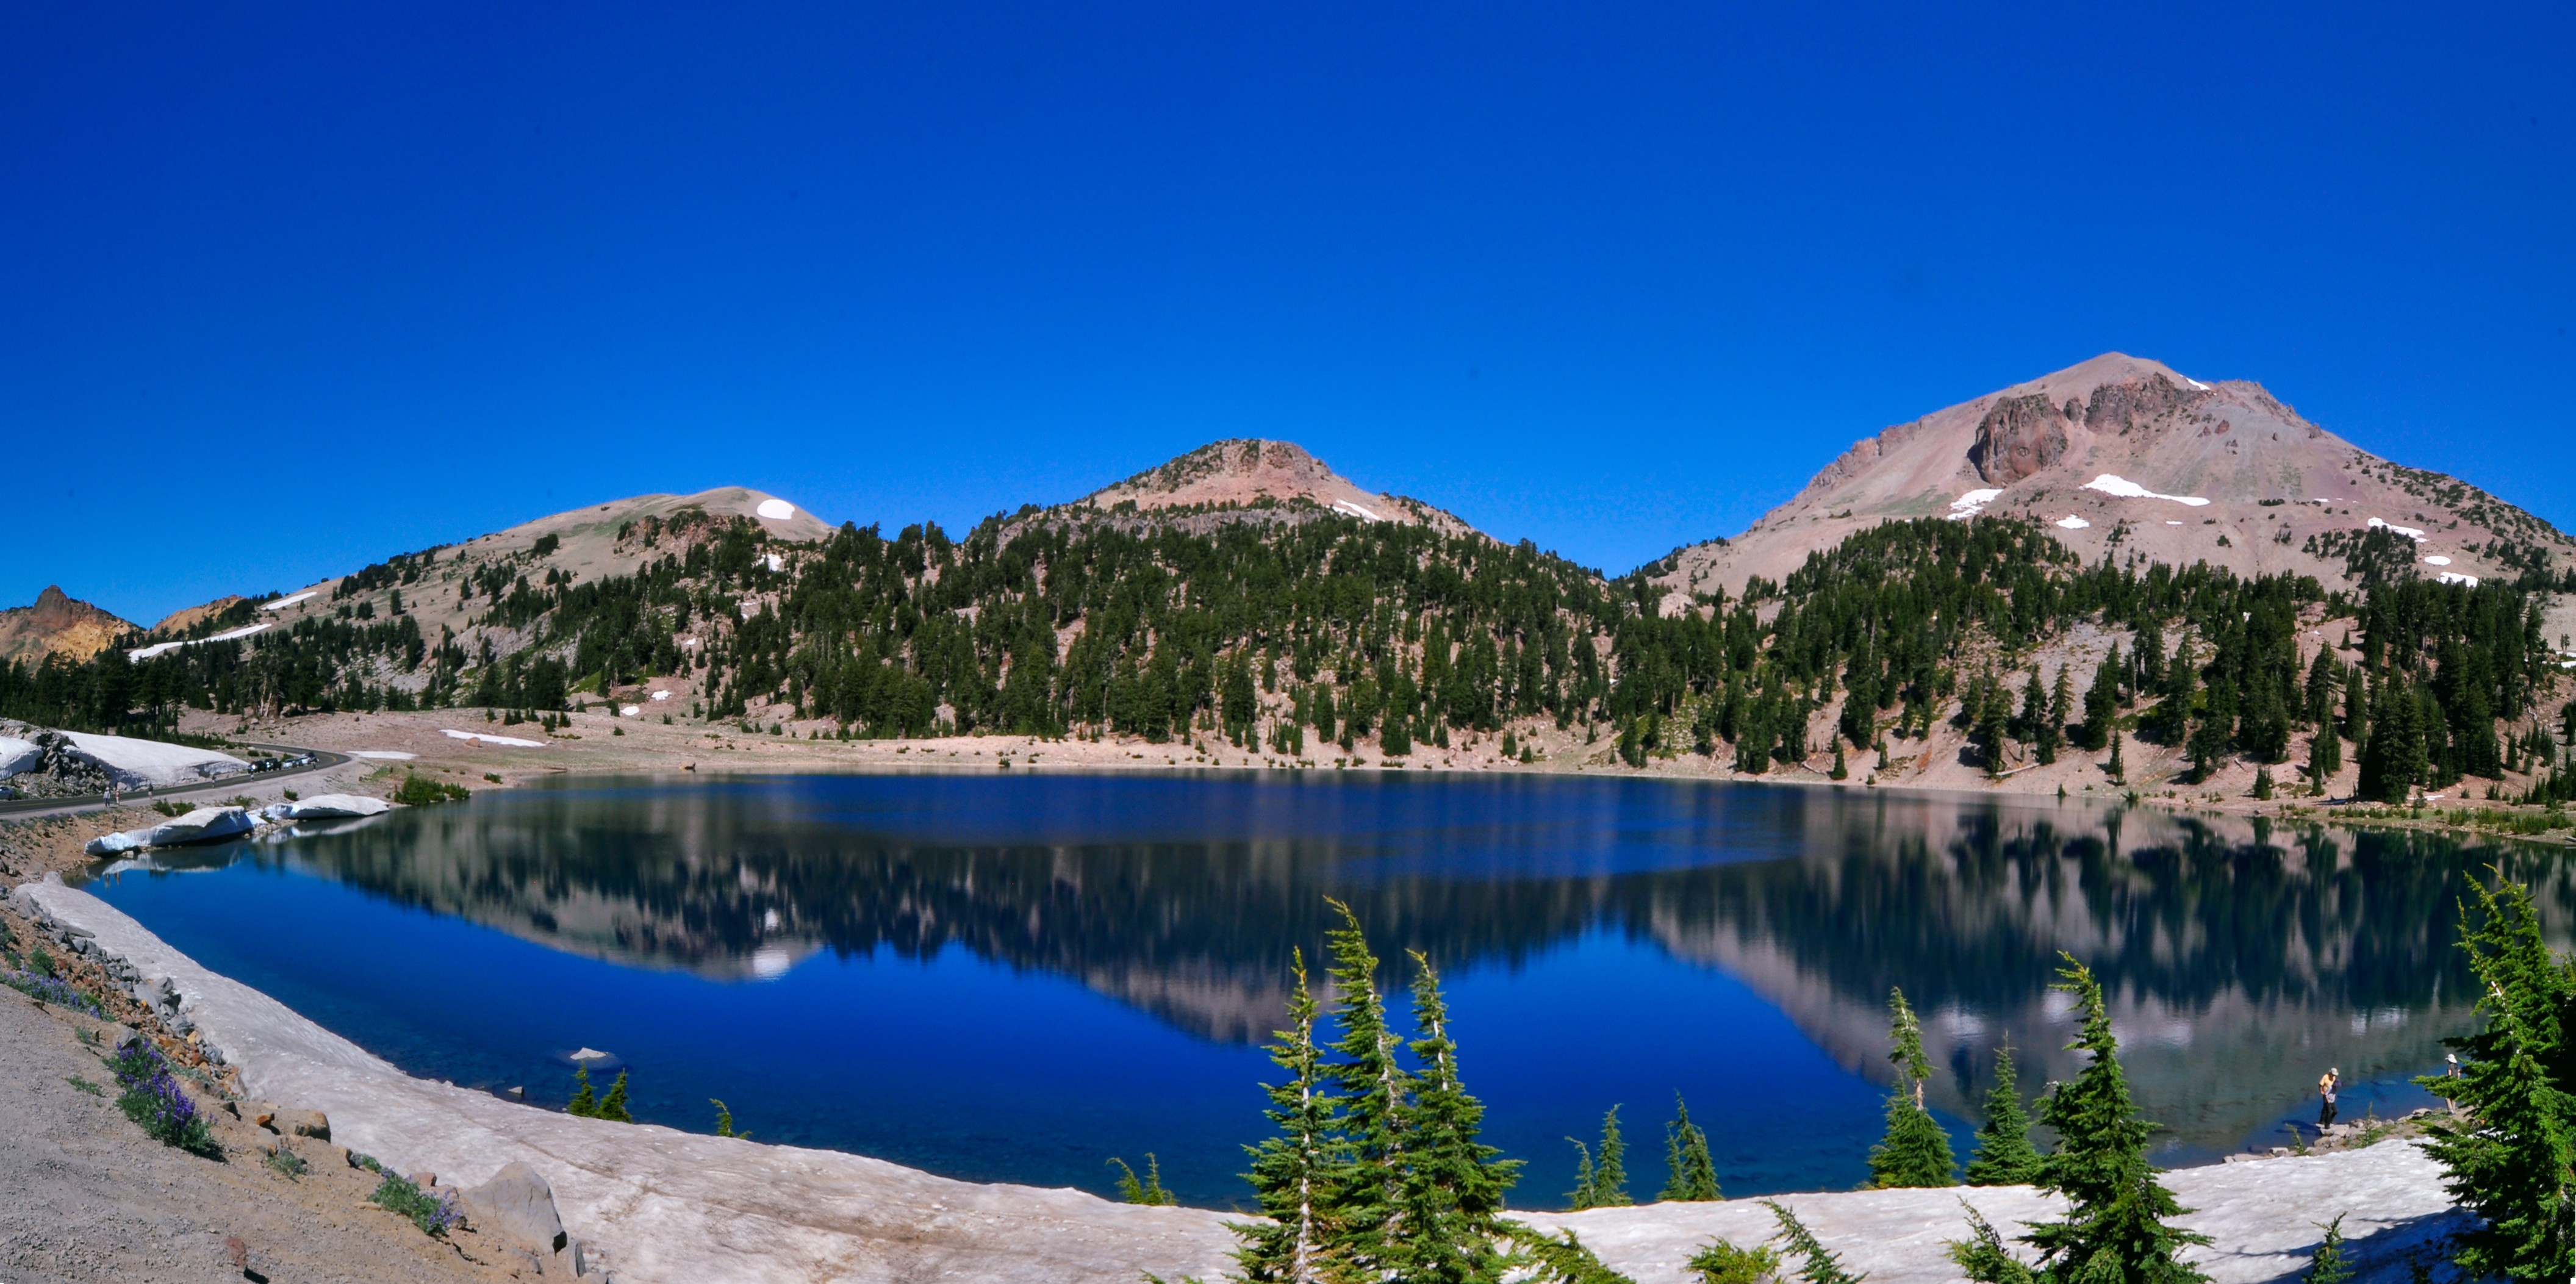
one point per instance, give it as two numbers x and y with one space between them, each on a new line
2114 484
2195 383
2454 577
512 741
2436 560
2071 522
2414 533
18 755
159 648
285 602
776 510
1972 503
1345 506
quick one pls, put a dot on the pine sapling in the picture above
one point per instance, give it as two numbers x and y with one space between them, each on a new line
2330 1264
613 1106
2004 1156
1915 1150
1691 1173
1815 1264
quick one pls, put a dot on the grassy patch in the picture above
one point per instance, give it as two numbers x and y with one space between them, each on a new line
286 1162
85 1086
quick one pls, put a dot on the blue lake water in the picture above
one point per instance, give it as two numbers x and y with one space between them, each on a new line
1017 977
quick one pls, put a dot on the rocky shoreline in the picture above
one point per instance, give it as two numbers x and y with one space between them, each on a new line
641 1203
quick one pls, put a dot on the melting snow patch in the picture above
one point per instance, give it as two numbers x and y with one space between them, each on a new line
2195 383
2114 484
1355 510
284 602
384 755
227 636
776 510
630 711
2170 522
1971 504
2454 577
2071 522
512 741
661 695
775 562
2414 533
2437 560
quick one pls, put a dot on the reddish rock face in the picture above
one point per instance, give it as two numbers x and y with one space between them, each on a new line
2020 436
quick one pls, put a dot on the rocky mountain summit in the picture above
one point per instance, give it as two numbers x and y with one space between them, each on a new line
2126 457
1246 475
57 624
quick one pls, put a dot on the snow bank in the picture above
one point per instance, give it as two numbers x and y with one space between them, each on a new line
2071 522
2114 484
1350 509
2437 560
1971 504
630 711
330 807
2454 577
776 510
19 755
2414 533
228 635
139 764
775 562
661 695
204 825
285 602
383 755
512 741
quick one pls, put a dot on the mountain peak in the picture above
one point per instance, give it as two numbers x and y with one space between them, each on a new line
57 624
1243 471
2128 453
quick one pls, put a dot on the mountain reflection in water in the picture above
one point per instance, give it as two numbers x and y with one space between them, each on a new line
2241 958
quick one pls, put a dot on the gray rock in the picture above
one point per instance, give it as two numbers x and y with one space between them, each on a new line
517 1204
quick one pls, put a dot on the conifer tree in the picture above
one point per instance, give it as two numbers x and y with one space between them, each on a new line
613 1106
1367 1220
2004 1156
2325 757
1915 1151
2102 703
1691 1172
2508 1158
2115 769
1293 1172
1601 1177
2117 1219
2329 1264
1816 1265
1453 1183
584 1103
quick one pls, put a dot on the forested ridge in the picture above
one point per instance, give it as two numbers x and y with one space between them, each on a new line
1339 630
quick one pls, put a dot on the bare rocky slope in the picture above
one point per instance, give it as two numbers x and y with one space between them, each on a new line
2125 457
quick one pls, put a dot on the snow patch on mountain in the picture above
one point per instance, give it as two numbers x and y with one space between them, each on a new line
2114 484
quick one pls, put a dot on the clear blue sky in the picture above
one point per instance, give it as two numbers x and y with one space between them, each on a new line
286 289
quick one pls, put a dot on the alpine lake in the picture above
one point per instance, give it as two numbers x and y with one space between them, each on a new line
1015 977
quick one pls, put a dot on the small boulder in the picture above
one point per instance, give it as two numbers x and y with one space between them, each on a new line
517 1204
304 1123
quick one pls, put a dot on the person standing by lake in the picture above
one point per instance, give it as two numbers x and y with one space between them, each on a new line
2327 1084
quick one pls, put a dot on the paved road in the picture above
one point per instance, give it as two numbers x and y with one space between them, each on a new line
319 760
